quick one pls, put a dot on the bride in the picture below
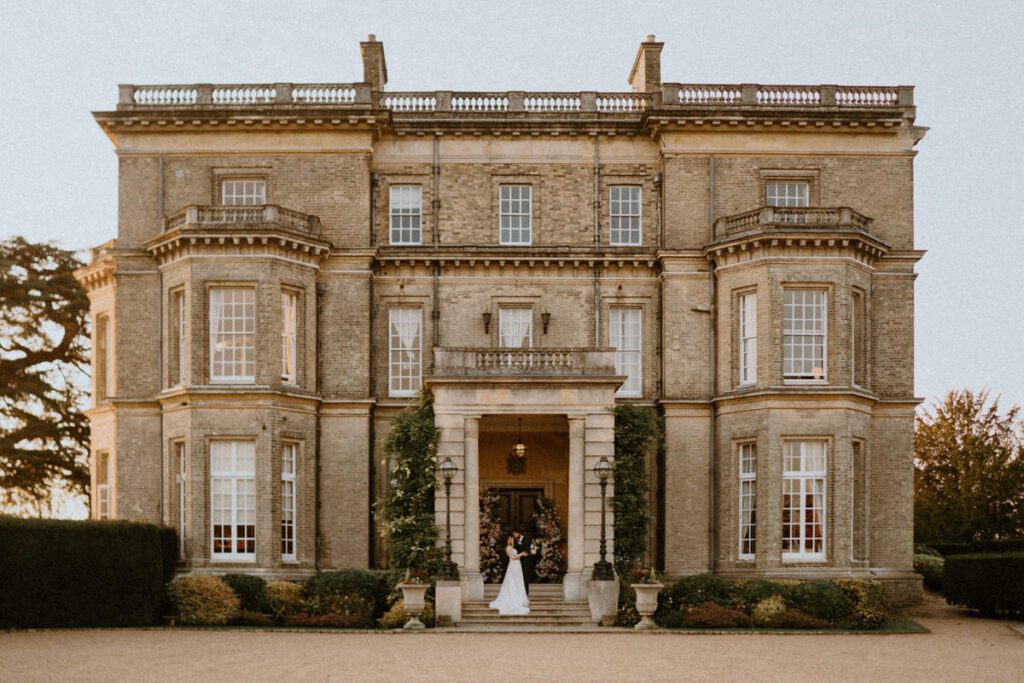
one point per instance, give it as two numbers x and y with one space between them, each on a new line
512 600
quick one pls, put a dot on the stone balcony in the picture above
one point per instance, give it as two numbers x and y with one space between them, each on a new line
533 362
194 217
788 218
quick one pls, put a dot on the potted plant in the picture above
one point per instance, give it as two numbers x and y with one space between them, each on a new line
414 593
646 586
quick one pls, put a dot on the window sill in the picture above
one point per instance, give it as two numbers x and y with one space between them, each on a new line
239 559
805 382
804 559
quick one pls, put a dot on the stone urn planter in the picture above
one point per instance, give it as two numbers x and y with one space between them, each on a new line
414 599
646 603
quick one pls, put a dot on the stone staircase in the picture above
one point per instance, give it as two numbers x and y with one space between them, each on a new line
548 610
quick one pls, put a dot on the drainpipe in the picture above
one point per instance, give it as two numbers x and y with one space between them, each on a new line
373 195
168 460
371 437
713 349
436 204
597 240
320 288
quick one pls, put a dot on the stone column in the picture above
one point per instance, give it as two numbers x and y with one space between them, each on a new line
472 580
572 584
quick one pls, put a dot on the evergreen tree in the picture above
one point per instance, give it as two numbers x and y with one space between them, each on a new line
44 363
548 536
491 537
638 432
406 512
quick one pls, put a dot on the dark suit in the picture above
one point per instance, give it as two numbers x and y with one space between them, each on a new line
522 545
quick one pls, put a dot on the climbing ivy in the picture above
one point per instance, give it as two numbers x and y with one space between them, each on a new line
638 433
405 514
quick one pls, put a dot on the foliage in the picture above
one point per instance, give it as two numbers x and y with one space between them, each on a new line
491 537
405 513
692 591
795 619
284 598
989 583
1006 545
869 607
251 591
748 594
931 568
396 617
44 315
328 592
356 619
548 567
249 618
713 615
969 476
203 600
823 600
768 610
62 573
638 432
169 548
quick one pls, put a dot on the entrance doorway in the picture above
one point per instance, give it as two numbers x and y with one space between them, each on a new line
517 506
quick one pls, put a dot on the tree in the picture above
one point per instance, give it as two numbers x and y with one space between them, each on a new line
638 433
969 470
406 511
44 361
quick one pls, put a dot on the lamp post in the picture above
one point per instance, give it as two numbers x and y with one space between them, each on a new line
449 570
603 568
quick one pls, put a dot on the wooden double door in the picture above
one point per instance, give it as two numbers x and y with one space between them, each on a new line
517 506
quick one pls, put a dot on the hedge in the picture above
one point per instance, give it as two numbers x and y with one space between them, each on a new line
62 573
989 583
1010 545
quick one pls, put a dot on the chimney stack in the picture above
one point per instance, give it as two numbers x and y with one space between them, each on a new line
375 69
646 73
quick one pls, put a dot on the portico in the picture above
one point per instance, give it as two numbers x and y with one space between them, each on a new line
577 384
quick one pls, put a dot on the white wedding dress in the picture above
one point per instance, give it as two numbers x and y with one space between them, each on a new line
512 599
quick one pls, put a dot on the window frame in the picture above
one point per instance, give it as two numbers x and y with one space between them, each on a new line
526 216
258 181
212 337
858 338
617 333
747 492
505 315
290 342
416 376
235 476
786 200
805 477
179 339
104 359
103 486
180 461
289 501
402 212
746 331
612 215
801 377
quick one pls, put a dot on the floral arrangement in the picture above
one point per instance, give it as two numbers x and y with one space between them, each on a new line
414 577
547 544
649 576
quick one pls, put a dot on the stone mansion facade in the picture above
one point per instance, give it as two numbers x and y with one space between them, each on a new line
294 263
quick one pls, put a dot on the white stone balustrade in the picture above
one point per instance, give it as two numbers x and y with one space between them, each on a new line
523 362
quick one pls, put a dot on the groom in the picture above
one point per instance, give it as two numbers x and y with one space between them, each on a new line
522 544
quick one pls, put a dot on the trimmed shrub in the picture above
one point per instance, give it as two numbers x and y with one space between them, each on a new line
766 611
247 618
795 619
989 583
62 573
868 601
396 617
692 591
203 600
284 598
251 591
326 620
374 587
169 548
747 594
922 549
931 568
1009 545
669 618
713 615
822 600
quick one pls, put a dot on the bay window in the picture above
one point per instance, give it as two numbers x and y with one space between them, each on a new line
233 500
804 471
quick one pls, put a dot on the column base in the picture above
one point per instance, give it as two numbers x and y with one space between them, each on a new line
472 585
448 603
574 584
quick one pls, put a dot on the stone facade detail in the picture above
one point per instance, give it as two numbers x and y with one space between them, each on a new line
703 168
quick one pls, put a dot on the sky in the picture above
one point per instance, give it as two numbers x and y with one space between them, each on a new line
59 61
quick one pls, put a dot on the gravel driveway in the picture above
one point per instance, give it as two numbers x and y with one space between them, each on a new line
960 648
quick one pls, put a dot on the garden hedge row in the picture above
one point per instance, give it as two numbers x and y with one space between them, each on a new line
1011 545
989 583
62 573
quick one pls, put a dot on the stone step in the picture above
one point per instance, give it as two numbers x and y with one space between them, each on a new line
526 621
582 614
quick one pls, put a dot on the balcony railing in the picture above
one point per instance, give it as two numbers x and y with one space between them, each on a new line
269 214
841 217
670 96
523 362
